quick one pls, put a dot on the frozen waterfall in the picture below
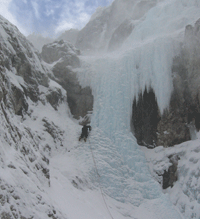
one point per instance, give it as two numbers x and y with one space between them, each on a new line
115 79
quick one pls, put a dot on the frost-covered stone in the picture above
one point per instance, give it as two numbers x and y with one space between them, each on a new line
20 103
17 52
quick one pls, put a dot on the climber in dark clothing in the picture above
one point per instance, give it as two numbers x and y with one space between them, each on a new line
85 131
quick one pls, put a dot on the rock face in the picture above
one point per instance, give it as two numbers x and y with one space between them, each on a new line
24 152
184 110
173 127
64 57
59 49
120 35
18 57
109 27
32 107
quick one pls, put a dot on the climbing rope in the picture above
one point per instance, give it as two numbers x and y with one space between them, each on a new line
99 182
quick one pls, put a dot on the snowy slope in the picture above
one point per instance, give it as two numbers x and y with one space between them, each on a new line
24 169
24 154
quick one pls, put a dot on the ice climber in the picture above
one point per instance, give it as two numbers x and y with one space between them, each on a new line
85 131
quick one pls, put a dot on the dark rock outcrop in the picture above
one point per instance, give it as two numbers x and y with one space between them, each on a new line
65 57
54 97
145 118
173 126
170 176
19 101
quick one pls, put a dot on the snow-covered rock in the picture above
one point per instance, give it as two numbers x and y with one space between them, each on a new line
21 63
184 191
24 153
63 58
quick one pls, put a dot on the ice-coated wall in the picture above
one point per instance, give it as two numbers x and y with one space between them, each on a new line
144 61
115 79
122 167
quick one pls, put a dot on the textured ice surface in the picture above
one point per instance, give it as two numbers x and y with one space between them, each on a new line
115 79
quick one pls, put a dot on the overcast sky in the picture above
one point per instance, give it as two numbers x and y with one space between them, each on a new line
49 16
